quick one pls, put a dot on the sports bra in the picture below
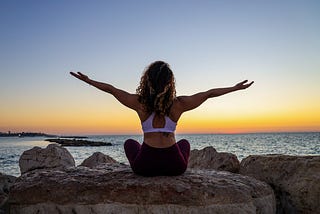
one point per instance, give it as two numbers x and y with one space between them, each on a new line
170 125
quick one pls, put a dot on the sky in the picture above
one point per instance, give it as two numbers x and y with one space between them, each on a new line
208 44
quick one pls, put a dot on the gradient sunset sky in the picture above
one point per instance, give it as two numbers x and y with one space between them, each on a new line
207 43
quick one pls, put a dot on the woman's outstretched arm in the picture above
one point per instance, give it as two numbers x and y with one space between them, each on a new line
125 98
187 103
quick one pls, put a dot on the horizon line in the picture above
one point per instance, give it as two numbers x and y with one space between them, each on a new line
186 133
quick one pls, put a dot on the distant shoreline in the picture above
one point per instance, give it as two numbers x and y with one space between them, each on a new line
25 134
34 134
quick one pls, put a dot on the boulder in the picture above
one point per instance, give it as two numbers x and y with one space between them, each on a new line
295 180
54 156
114 188
209 158
96 159
6 181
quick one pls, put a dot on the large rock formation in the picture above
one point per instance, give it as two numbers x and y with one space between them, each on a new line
209 158
54 156
6 181
114 188
96 159
295 179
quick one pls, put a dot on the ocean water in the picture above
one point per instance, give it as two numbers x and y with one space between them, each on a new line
241 145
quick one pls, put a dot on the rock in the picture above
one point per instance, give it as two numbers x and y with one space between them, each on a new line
73 136
6 181
295 180
114 188
96 159
209 158
75 142
54 156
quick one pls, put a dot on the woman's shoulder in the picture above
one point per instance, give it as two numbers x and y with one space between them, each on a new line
177 102
175 111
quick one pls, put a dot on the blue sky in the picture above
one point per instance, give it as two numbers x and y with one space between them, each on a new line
207 43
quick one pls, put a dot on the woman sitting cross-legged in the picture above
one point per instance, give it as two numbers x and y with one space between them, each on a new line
159 110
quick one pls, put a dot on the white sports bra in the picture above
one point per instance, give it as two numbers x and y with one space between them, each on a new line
170 125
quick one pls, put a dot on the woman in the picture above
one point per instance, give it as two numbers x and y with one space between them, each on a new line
159 110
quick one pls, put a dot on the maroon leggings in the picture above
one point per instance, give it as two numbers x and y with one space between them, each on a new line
149 161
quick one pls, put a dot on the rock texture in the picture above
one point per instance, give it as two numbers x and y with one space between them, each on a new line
96 159
295 179
209 158
54 156
6 181
113 188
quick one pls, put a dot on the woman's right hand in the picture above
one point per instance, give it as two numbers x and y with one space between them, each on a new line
80 76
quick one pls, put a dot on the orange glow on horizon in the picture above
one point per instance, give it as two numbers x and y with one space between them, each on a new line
117 119
128 123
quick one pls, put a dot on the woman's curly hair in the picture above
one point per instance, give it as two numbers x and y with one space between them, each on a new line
157 88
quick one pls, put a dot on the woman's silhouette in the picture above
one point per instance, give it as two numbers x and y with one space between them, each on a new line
159 110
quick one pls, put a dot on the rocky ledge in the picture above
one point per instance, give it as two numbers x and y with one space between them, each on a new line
113 188
51 183
76 142
295 180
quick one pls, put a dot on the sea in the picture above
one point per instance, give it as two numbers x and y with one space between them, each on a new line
242 145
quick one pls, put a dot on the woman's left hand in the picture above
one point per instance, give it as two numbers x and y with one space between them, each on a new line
243 85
